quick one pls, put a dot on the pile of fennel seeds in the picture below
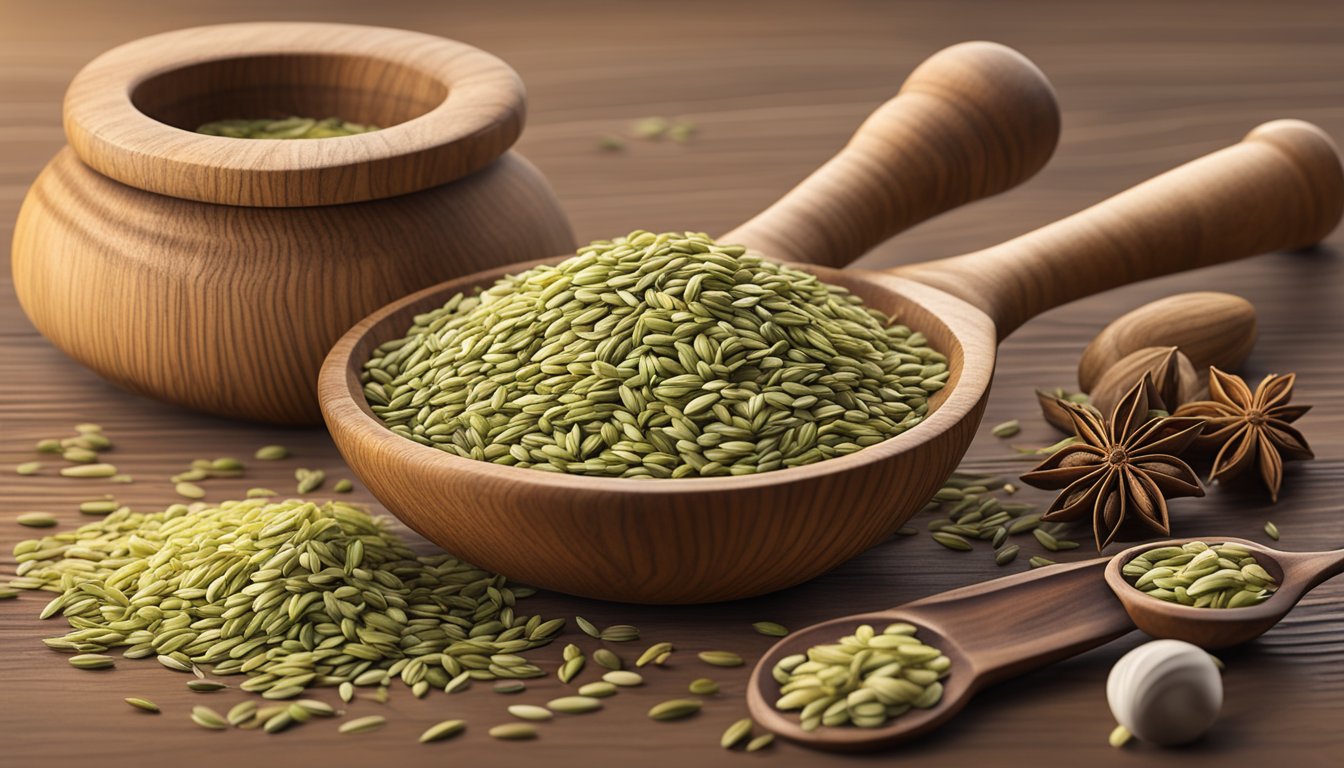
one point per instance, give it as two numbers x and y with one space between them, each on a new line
655 356
292 594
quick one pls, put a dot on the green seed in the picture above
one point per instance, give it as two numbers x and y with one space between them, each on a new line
623 678
80 455
514 731
675 709
92 661
241 712
1046 540
444 730
1120 736
208 718
570 669
606 658
29 468
597 690
760 742
35 519
190 490
362 724
89 471
619 633
99 507
343 486
1038 562
952 541
279 721
310 480
651 127
49 446
610 143
1006 554
770 629
1007 429
574 705
703 686
261 493
653 653
271 453
144 704
174 664
1272 531
205 686
123 479
287 128
587 626
720 658
736 733
530 712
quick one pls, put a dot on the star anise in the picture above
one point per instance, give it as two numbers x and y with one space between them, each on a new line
1249 428
1121 472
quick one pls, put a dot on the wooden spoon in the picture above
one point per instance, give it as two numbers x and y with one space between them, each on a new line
991 631
707 539
1005 627
1297 573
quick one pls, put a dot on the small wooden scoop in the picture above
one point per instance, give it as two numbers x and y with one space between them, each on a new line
991 632
1297 573
1005 627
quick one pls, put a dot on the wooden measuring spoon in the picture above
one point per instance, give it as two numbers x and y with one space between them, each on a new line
1297 573
991 631
705 539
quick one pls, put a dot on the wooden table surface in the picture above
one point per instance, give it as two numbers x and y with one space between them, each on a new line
774 90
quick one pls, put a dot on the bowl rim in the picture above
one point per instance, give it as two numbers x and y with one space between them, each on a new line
480 117
345 410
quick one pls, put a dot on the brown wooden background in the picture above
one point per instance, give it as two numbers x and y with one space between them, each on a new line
774 88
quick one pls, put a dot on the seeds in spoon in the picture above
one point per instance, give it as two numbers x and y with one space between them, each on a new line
864 679
1202 575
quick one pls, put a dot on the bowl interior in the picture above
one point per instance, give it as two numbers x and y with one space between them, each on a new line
962 333
355 87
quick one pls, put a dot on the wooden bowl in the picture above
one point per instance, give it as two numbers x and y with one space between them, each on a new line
215 273
707 539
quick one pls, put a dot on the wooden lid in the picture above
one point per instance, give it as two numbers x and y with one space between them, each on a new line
446 109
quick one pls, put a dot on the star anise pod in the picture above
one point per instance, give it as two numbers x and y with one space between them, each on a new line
1123 471
1249 428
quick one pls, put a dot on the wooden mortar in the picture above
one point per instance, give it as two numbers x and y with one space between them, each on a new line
215 273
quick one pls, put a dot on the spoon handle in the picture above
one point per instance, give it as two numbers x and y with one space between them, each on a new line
1012 625
973 120
1315 567
1279 188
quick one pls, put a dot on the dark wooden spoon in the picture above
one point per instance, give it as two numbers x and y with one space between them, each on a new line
1297 573
991 631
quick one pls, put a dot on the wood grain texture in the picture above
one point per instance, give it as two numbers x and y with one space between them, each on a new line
793 524
445 109
1281 188
972 121
1210 328
1144 86
1296 573
230 310
1020 607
